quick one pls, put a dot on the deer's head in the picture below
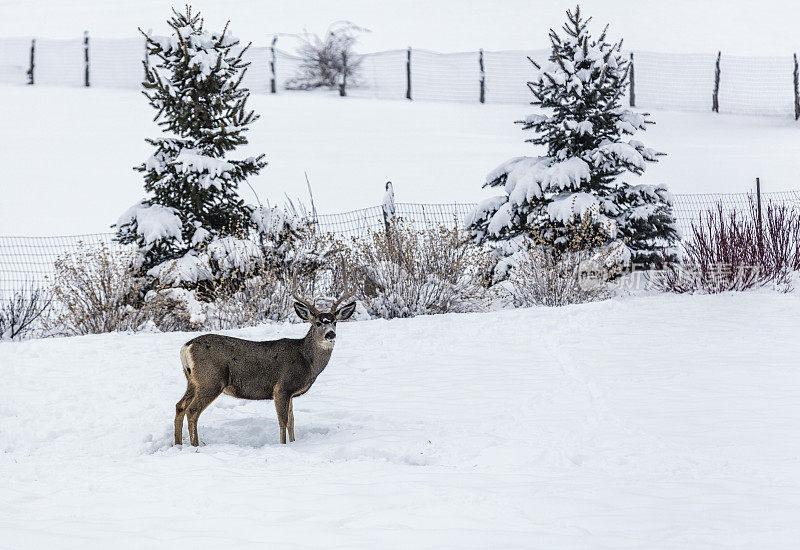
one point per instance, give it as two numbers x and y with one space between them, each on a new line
323 324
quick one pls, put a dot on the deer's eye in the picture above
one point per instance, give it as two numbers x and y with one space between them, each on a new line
319 324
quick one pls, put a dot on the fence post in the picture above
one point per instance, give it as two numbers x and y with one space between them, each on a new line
147 54
796 89
408 73
273 81
715 97
86 58
758 213
388 207
483 77
33 58
343 85
633 85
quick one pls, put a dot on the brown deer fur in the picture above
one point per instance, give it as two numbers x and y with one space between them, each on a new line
274 369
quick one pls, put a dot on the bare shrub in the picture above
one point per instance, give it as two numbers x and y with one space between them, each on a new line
780 239
22 314
328 62
95 290
256 300
732 252
542 276
405 272
542 273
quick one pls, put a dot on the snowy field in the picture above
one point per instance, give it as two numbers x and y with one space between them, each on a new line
68 153
650 422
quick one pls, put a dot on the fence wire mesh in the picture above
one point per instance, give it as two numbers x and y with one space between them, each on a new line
26 261
685 82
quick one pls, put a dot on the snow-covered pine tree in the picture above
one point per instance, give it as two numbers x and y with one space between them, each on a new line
191 224
583 125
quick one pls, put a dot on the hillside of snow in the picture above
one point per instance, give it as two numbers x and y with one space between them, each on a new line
68 153
655 422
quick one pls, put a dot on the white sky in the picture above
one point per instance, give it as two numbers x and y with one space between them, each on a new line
766 27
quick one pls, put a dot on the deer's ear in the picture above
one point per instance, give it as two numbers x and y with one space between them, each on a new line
302 311
345 312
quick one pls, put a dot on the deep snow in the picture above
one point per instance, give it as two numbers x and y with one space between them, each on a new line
68 153
650 422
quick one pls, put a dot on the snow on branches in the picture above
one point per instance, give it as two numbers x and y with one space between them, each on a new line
587 134
192 212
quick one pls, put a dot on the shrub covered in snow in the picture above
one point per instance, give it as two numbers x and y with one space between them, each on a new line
262 291
256 300
584 127
540 274
404 272
193 225
96 290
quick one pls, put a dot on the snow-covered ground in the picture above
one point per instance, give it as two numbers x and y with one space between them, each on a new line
68 153
649 422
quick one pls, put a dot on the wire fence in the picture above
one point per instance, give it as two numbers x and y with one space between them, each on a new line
26 261
683 82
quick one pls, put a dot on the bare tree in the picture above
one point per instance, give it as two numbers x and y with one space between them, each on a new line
328 61
18 314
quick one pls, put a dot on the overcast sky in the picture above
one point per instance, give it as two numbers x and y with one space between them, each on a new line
767 27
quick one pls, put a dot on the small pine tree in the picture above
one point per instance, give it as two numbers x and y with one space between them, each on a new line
583 125
192 203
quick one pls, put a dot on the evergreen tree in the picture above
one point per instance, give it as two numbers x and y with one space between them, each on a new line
583 125
193 217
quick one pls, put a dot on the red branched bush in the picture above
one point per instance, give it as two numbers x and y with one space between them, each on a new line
737 251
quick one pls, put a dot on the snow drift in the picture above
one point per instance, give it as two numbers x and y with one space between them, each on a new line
657 422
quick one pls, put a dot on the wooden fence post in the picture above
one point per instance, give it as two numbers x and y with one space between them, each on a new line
633 85
147 55
408 73
715 96
86 58
483 77
388 207
343 85
273 83
796 89
32 64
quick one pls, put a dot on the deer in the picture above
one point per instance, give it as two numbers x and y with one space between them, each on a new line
279 370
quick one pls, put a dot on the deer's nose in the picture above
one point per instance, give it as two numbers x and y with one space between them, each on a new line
330 335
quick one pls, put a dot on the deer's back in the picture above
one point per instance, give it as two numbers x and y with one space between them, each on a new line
244 368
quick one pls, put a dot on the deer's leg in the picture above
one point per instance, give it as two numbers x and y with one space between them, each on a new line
282 401
290 425
201 400
180 412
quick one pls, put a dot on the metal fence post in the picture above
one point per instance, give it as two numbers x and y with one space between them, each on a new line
273 82
758 214
715 96
483 77
633 85
32 64
408 73
86 58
